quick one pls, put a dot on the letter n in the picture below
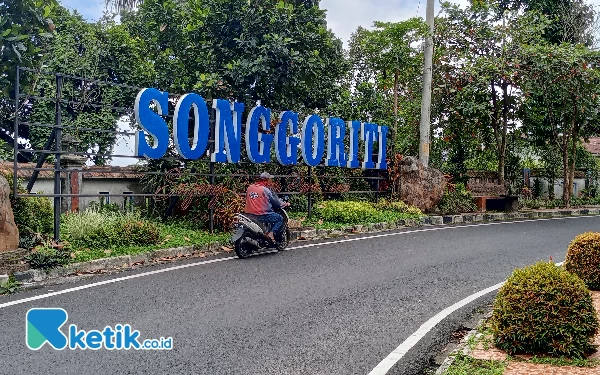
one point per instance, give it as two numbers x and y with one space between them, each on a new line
228 131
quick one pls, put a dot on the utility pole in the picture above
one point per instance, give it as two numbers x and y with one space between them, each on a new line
425 128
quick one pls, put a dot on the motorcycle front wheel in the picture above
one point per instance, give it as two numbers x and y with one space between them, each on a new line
285 239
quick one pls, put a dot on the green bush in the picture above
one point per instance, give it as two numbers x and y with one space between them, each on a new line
527 204
583 259
32 215
46 257
457 200
347 212
543 309
98 229
398 206
361 212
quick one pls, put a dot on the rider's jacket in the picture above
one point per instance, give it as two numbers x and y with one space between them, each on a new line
260 200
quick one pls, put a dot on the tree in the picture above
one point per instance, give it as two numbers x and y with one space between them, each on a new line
390 52
119 5
479 68
562 87
102 50
26 29
280 53
572 21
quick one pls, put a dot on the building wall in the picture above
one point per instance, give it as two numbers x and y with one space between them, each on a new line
578 186
93 186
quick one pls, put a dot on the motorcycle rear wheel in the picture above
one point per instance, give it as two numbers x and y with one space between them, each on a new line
241 249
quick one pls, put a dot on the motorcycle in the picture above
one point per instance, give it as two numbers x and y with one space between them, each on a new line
249 235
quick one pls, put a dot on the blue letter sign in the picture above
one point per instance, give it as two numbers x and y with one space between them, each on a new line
181 128
228 131
313 140
152 123
344 140
258 145
336 156
286 147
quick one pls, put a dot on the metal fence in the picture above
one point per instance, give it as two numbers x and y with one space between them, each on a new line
53 112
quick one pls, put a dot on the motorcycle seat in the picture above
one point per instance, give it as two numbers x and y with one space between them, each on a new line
256 220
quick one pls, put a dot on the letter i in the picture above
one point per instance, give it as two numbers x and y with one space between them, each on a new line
119 337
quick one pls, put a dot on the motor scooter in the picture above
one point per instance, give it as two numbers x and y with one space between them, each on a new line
249 235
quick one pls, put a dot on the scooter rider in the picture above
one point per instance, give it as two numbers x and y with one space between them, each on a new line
262 202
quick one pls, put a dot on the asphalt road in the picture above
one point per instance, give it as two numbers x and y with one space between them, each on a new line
333 309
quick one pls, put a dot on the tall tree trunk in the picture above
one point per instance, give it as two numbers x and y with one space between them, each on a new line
497 133
502 150
566 175
395 131
574 140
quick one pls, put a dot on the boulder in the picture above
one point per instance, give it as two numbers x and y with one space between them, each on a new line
9 234
420 186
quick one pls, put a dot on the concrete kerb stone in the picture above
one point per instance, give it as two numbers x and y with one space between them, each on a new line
437 220
127 261
3 279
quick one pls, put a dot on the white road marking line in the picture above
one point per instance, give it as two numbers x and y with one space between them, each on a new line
429 230
390 361
111 281
175 268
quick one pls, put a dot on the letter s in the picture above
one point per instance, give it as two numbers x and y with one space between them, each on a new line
152 123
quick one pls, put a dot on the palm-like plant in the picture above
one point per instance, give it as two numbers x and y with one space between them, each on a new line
119 5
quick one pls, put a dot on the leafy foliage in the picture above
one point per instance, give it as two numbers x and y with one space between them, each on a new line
281 54
25 29
32 215
359 212
99 229
397 206
48 257
9 287
5 153
543 309
563 94
457 199
583 259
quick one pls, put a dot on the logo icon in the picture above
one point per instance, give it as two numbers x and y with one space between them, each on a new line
43 326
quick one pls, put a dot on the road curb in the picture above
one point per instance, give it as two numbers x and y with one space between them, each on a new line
462 347
122 263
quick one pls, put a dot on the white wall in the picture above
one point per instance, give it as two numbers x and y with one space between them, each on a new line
578 186
92 186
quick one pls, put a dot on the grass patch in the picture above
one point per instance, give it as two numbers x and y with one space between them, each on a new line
172 235
465 365
561 361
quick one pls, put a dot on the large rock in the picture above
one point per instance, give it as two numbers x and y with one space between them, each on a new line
420 186
9 234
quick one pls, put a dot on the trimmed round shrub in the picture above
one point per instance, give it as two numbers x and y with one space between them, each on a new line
543 309
583 259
